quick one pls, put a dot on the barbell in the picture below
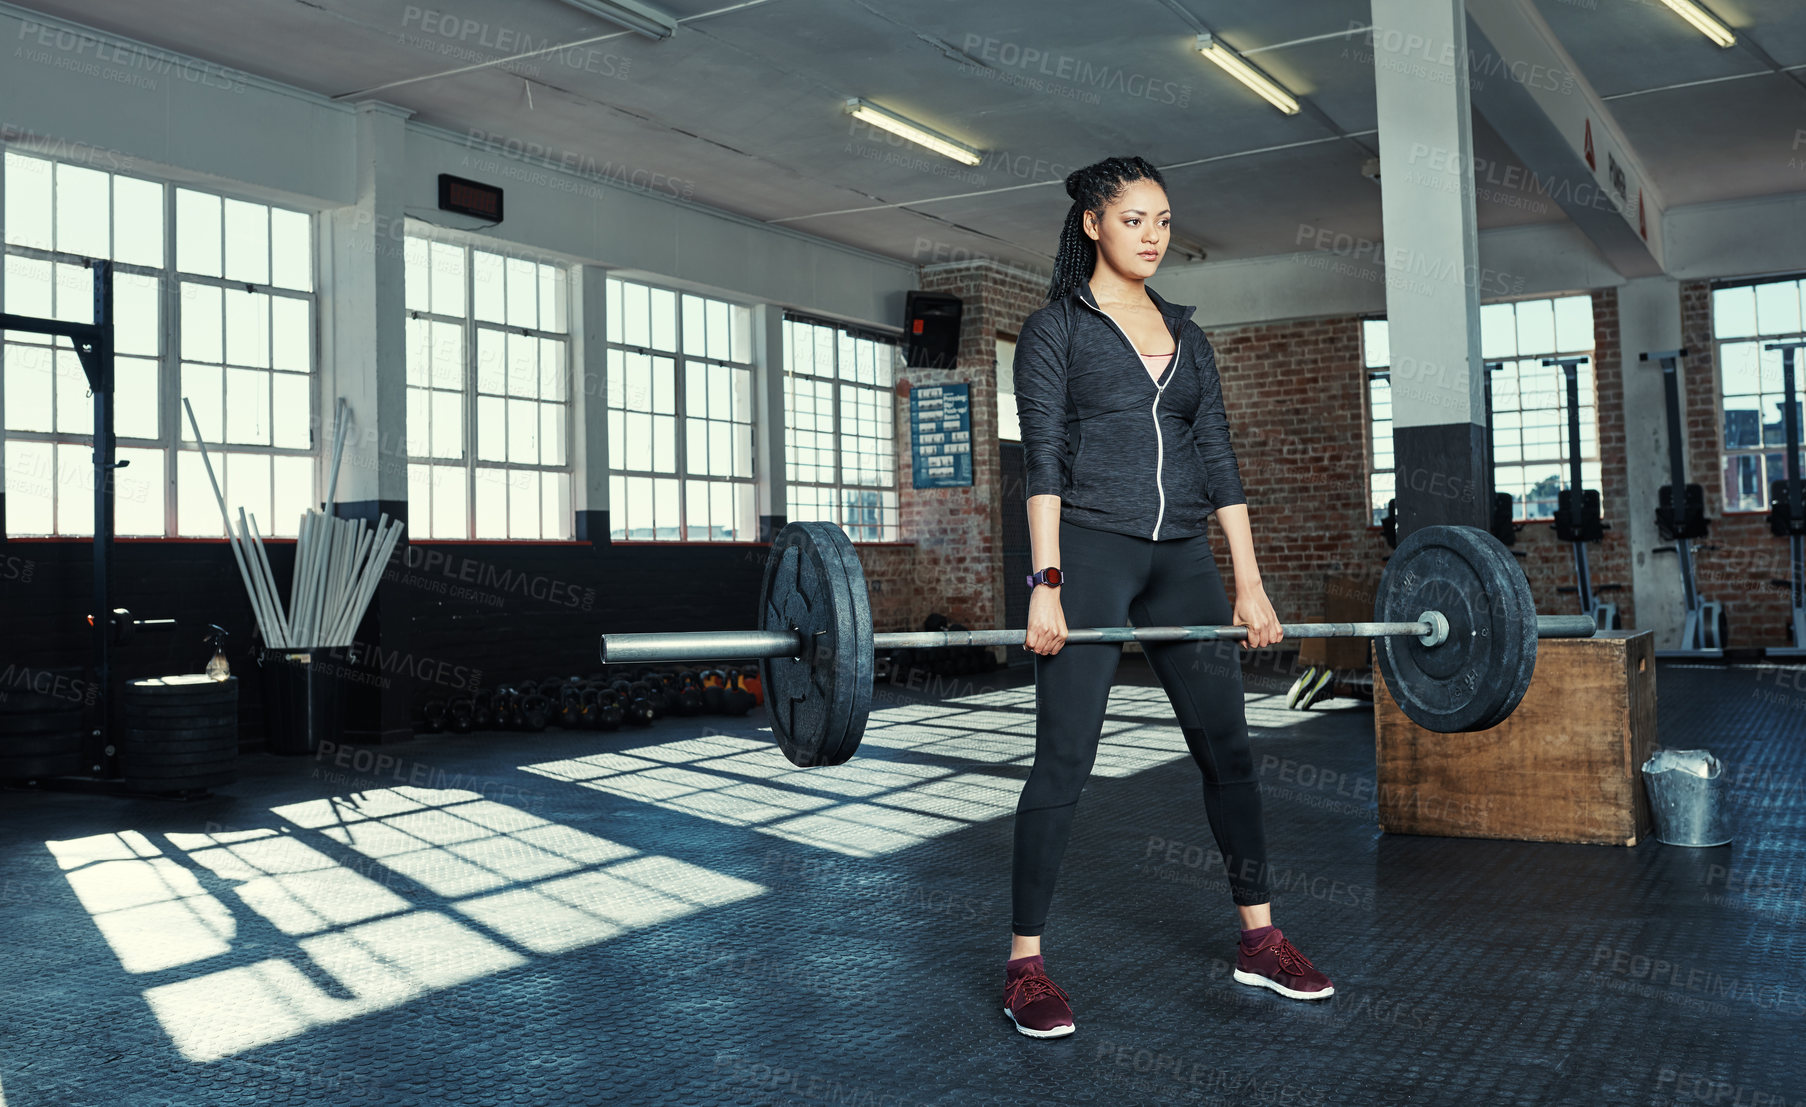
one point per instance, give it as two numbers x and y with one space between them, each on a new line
1454 625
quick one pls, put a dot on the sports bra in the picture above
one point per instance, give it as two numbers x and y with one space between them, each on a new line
1156 363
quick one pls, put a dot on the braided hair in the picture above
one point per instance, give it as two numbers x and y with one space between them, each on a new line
1093 188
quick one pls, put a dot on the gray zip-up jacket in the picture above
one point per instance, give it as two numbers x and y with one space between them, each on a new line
1123 452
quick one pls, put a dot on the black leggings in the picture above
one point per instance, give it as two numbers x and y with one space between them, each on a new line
1115 578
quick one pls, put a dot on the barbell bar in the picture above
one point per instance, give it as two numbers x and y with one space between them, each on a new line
653 648
1455 633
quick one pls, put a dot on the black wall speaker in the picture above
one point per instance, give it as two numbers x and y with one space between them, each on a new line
931 329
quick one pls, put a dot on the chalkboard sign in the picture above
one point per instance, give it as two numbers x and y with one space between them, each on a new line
940 435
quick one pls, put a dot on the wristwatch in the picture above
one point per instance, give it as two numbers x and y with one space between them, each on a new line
1050 576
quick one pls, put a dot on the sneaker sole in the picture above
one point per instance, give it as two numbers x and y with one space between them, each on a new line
1056 1032
1298 686
1317 691
1262 982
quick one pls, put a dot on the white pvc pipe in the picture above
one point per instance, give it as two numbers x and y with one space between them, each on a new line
225 518
373 571
265 579
341 410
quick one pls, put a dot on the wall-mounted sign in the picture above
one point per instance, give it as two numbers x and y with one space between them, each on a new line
940 435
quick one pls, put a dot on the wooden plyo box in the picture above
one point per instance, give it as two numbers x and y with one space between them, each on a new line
1347 598
1565 767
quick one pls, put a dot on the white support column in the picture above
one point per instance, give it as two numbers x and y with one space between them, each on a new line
589 448
1649 320
1433 273
366 330
769 490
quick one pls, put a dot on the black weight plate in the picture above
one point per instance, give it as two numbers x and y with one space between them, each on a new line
818 702
1474 679
49 743
138 739
173 726
62 688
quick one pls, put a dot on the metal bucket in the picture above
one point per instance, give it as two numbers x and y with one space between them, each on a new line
1686 791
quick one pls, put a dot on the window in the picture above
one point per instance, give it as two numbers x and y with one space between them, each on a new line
1009 429
1380 481
840 453
680 416
1745 318
489 411
1529 401
238 290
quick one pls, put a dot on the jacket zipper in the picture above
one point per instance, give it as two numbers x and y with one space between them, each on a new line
1159 391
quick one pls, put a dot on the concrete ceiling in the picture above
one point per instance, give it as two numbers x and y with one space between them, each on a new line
743 105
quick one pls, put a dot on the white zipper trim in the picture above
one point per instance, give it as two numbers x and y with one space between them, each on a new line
1159 391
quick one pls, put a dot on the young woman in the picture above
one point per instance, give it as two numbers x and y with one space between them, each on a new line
1128 454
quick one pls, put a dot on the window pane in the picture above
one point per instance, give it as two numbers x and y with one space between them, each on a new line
247 328
28 190
248 406
30 482
293 405
204 389
420 503
555 494
197 512
696 341
551 298
492 429
248 487
291 250
664 443
202 325
612 296
447 355
720 334
1777 307
664 386
82 211
247 242
138 493
28 288
74 409
664 498
1574 323
523 432
551 369
1734 312
451 502
664 319
197 233
291 334
523 365
617 444
524 507
551 434
74 489
137 225
293 493
448 424
492 503
416 286
448 279
492 361
523 293
420 419
486 277
135 398
636 314
30 381
135 314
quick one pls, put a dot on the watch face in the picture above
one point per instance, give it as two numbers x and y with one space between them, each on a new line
1053 575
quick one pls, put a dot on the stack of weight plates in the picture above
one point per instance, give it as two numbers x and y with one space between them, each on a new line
41 732
178 733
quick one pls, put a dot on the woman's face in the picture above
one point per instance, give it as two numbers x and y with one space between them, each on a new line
1132 236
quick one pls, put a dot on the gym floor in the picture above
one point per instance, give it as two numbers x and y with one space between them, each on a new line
676 915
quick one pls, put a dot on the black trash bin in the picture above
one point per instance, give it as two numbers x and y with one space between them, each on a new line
302 701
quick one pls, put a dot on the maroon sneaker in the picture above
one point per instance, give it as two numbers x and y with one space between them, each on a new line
1276 963
1037 1005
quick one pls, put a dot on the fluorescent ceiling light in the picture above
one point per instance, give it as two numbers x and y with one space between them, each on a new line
1703 21
867 112
1236 66
632 14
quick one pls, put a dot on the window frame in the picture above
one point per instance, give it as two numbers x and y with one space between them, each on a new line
680 475
1726 452
171 439
470 393
889 530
